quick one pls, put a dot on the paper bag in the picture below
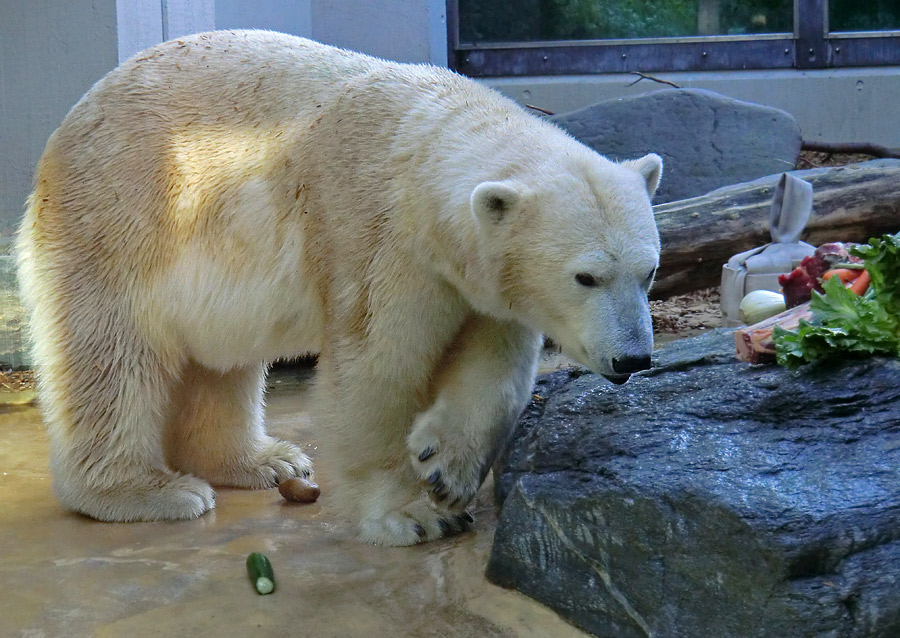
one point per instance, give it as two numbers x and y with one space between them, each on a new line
759 268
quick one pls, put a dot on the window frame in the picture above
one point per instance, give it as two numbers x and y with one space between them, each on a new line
810 46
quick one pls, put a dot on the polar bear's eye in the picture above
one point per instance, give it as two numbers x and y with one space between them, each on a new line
586 279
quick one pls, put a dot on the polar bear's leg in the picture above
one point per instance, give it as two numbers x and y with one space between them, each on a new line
369 418
216 430
480 390
481 386
104 393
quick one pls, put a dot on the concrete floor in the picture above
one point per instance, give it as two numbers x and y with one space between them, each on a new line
65 575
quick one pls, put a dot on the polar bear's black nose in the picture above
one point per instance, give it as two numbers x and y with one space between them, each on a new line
627 365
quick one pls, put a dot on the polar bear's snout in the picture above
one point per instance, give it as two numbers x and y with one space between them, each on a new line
622 337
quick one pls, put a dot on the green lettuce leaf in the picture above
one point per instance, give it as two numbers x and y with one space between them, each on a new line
844 323
882 257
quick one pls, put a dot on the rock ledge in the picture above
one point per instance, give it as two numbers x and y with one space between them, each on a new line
708 497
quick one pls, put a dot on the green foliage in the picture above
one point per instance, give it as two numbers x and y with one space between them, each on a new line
581 19
844 323
882 257
534 20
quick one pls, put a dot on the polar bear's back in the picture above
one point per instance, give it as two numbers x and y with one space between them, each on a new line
239 79
223 100
161 135
204 76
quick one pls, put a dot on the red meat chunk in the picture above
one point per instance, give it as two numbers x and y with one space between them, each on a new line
797 285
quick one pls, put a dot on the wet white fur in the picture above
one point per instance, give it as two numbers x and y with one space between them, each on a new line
226 199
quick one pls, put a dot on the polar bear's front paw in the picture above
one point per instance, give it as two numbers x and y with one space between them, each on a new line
452 471
274 462
418 522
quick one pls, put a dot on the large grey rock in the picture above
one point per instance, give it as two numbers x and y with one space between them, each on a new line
709 497
706 140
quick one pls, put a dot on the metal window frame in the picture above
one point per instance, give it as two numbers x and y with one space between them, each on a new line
810 46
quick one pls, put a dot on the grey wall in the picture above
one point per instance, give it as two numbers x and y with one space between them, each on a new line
143 23
392 29
286 16
841 105
50 54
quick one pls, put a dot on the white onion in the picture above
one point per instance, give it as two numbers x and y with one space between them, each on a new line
761 304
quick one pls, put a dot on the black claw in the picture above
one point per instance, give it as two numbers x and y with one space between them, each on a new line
468 518
426 454
420 531
441 489
435 477
446 528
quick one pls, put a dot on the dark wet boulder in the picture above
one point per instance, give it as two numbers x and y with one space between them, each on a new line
708 497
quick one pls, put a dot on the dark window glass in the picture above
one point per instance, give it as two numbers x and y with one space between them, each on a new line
872 15
483 21
491 38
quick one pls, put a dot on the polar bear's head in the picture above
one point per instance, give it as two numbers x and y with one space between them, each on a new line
574 251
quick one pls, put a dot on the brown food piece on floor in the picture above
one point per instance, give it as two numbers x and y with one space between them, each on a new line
299 490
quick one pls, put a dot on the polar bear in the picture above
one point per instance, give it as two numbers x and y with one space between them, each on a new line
227 199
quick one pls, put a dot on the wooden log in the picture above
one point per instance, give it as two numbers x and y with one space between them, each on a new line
850 203
866 148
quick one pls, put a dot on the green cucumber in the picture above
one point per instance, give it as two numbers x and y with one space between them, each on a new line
260 570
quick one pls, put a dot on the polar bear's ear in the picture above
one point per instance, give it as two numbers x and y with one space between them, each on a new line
493 201
650 167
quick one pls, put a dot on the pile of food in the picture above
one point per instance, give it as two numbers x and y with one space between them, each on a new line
843 300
